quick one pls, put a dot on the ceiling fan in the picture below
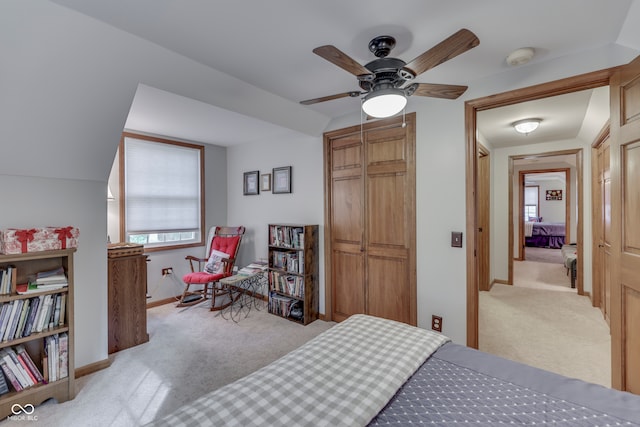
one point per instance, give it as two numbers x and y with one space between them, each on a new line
382 81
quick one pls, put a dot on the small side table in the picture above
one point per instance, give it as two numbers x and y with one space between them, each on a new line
242 288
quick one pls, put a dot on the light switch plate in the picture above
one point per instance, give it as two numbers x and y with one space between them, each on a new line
456 239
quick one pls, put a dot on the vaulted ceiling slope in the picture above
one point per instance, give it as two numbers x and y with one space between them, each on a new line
268 44
71 68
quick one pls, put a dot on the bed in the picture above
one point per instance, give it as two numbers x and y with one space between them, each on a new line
544 234
372 371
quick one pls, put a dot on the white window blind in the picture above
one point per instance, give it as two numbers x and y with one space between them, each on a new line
162 187
531 196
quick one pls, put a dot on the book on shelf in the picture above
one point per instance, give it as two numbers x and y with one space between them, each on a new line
286 236
24 355
27 288
287 284
63 356
4 387
52 277
51 348
16 308
22 317
34 305
7 278
4 317
44 313
33 287
16 368
63 307
9 375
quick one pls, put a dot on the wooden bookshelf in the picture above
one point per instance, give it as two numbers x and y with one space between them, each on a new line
26 265
293 272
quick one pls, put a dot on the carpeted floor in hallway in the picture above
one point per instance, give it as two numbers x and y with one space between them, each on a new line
546 324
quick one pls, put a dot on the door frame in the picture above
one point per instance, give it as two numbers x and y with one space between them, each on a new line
578 152
567 199
596 206
559 87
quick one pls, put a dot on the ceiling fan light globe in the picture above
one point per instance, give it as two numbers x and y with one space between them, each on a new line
384 103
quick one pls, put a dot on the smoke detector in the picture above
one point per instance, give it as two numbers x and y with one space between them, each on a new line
520 56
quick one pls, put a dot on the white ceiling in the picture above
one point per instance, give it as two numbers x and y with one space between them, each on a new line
269 44
564 117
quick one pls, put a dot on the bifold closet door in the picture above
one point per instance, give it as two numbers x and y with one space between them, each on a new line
371 209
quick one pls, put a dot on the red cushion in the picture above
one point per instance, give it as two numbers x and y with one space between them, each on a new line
202 278
225 244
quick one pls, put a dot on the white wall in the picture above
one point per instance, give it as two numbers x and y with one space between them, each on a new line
32 202
553 210
304 205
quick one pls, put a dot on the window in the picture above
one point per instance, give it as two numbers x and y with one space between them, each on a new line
163 192
531 202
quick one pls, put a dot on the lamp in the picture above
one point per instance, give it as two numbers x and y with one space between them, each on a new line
384 102
526 126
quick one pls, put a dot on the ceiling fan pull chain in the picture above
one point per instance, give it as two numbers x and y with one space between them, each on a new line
361 119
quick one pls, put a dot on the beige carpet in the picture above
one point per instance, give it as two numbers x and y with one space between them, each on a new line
191 352
541 275
543 255
557 331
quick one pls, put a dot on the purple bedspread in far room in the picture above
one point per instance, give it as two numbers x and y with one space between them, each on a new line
546 235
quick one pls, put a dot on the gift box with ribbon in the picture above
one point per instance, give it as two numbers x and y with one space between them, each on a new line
67 236
21 240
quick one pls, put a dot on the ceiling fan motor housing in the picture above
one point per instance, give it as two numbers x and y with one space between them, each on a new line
386 70
381 46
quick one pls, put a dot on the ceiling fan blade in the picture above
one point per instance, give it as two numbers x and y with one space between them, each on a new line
439 90
451 47
329 98
341 59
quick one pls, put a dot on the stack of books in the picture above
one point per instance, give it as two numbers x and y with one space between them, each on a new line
253 268
44 281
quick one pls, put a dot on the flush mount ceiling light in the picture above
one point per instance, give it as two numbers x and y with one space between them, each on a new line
520 56
526 126
384 102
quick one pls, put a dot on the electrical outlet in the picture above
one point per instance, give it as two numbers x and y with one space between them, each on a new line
436 323
167 270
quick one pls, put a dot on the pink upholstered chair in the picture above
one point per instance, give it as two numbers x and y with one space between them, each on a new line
200 283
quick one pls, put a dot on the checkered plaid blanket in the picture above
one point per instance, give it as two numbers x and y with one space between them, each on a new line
343 377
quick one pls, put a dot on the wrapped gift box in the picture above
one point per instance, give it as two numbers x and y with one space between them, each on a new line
67 236
16 240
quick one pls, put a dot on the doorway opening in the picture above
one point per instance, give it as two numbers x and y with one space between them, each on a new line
472 108
509 245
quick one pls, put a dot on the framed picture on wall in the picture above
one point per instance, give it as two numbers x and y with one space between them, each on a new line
250 186
266 182
282 180
554 195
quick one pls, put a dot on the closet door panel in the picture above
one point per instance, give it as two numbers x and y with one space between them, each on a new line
388 292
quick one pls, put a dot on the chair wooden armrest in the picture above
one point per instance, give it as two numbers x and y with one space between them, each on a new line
193 259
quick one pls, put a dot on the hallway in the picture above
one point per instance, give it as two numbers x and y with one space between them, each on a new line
541 321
